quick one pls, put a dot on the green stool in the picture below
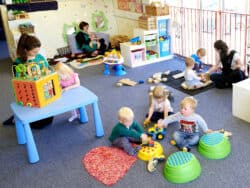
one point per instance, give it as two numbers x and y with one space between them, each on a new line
214 146
181 167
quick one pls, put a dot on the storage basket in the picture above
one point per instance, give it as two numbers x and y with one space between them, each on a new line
157 11
147 22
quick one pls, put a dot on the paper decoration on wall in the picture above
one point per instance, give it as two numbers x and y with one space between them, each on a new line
99 21
130 5
69 29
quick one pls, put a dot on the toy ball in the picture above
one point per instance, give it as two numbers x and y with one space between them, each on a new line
118 84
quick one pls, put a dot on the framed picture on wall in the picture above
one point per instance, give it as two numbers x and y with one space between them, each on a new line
130 5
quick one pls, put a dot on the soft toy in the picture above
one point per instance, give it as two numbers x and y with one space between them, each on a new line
117 39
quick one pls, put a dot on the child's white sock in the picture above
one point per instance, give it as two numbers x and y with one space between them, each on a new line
73 116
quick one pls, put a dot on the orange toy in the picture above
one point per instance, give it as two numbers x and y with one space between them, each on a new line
37 93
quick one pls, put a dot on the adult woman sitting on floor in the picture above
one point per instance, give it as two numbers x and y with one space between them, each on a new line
88 42
231 66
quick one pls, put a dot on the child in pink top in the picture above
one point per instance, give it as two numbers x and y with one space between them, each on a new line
68 80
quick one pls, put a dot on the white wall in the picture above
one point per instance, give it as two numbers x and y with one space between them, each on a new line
49 24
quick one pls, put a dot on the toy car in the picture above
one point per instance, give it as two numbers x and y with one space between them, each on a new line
156 133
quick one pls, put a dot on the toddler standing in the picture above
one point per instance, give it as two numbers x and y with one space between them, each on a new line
68 80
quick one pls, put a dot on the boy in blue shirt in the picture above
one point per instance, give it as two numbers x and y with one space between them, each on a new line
200 53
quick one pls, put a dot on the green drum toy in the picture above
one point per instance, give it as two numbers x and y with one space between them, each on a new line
181 167
214 146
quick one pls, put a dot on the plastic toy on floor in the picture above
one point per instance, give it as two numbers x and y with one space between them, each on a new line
154 160
181 167
147 153
114 59
156 133
149 143
158 77
226 133
214 145
127 82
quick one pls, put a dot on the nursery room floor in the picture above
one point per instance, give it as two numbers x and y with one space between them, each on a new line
62 145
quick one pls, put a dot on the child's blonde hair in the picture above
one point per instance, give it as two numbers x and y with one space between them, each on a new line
189 62
125 113
63 69
201 51
189 100
160 92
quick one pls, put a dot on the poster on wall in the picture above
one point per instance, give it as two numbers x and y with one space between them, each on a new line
130 5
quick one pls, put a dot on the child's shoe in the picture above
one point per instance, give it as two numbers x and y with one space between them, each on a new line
9 121
152 163
186 149
172 142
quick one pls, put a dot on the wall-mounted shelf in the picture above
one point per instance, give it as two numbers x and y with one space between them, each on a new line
36 6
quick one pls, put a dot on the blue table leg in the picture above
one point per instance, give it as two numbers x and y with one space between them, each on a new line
20 131
31 146
83 115
106 69
98 121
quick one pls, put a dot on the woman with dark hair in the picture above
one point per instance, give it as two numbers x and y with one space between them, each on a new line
28 51
231 66
88 42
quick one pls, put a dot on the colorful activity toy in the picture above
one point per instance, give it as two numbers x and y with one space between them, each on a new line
147 153
35 85
114 59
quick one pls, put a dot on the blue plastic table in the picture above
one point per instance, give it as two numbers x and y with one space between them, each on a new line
75 98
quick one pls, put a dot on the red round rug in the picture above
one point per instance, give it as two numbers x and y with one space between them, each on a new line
107 164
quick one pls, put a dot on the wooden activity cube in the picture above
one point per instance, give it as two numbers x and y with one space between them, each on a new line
37 93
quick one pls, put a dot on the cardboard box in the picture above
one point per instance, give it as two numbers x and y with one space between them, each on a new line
147 22
157 11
